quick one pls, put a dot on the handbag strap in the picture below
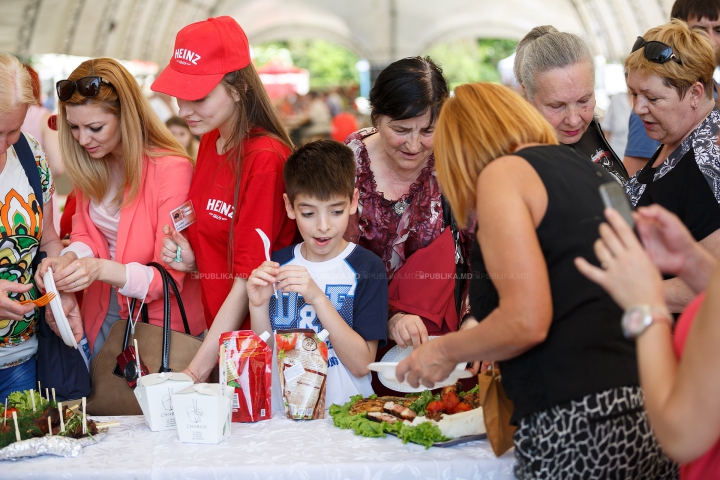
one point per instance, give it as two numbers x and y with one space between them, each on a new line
460 264
167 281
171 282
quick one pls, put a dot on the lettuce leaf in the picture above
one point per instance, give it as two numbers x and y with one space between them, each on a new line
23 402
424 434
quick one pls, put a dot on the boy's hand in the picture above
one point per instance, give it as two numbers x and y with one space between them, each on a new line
260 284
294 278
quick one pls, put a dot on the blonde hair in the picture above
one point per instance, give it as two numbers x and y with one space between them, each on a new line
482 122
691 47
142 132
545 48
17 88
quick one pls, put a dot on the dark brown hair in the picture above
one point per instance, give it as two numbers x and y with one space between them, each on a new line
408 88
320 169
686 9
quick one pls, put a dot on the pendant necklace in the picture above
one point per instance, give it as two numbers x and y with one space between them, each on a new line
401 205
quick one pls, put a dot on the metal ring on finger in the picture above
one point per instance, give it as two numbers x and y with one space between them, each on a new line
74 284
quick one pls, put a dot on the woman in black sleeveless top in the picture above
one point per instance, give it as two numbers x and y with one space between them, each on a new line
566 366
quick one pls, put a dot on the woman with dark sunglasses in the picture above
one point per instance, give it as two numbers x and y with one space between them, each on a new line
557 73
670 77
128 173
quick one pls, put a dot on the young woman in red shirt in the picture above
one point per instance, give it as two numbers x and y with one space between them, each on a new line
238 184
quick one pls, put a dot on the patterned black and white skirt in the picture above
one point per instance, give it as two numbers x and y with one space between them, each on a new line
602 436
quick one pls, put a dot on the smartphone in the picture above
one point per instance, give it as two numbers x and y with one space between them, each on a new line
614 196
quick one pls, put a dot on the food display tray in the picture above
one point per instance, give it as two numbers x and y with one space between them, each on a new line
456 441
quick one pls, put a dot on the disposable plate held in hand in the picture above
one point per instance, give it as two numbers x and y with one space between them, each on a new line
57 311
386 375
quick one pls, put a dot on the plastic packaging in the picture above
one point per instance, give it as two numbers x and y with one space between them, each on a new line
248 369
302 358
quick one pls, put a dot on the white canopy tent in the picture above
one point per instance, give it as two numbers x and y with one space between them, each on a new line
378 30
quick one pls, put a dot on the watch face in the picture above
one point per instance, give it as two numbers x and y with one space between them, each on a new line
635 321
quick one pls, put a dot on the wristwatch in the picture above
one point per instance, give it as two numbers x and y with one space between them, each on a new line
639 317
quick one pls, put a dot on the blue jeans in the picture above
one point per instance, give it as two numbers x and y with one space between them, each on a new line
19 377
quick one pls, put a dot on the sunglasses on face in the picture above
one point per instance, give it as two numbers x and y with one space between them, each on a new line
85 86
655 51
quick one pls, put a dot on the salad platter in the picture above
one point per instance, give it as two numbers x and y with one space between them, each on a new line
32 425
444 419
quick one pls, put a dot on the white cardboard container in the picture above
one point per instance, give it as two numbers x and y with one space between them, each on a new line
154 392
203 413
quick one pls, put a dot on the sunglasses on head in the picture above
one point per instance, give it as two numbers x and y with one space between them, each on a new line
655 51
85 86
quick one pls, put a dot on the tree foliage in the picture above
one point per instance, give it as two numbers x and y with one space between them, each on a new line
465 61
329 64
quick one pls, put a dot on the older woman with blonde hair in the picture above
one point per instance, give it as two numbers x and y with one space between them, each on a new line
557 73
26 189
567 368
670 77
128 172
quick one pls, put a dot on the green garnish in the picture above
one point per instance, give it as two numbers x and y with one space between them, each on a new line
419 405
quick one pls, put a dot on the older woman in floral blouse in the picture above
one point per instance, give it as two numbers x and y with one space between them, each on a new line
400 210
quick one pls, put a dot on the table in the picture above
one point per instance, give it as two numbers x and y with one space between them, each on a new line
274 449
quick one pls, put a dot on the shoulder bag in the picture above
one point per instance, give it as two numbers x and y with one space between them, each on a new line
111 394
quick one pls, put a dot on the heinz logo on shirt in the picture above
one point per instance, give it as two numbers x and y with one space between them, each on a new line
219 210
183 56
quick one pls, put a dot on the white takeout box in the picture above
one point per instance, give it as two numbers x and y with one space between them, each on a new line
203 413
153 393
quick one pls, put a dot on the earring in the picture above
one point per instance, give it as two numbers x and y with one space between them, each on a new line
694 107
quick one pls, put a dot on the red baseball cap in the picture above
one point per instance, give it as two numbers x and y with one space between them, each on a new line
204 52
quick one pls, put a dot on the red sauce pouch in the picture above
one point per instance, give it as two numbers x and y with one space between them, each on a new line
248 363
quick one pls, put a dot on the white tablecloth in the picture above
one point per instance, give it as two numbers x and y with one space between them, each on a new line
274 449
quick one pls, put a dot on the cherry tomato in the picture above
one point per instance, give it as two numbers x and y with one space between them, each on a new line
434 407
450 399
461 407
8 412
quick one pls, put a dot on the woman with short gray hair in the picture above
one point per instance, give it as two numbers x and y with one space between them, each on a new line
557 74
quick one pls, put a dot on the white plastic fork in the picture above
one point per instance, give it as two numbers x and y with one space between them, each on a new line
266 243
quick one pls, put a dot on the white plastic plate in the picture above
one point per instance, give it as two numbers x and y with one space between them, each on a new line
57 310
386 375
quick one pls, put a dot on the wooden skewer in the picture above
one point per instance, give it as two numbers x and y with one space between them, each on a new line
84 417
62 417
53 392
111 423
47 394
39 389
32 396
17 430
49 426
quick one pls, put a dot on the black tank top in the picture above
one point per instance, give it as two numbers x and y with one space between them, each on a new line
585 351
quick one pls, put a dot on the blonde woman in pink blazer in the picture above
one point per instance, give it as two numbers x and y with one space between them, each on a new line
129 172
